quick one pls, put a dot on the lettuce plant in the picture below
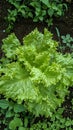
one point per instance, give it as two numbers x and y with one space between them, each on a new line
34 73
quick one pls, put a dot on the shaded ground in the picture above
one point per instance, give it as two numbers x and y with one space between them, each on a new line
23 27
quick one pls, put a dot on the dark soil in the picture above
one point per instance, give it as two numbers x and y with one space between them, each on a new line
23 27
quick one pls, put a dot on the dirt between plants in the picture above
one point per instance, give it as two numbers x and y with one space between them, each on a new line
23 27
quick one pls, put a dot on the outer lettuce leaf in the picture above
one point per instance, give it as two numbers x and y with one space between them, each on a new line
35 72
9 45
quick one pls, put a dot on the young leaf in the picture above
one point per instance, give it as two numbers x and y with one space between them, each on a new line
16 122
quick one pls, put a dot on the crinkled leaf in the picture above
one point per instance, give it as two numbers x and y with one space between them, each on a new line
9 45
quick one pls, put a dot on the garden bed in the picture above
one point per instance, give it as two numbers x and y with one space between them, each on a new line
22 27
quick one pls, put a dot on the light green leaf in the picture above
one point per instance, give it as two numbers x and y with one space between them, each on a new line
46 2
16 122
9 45
26 122
22 128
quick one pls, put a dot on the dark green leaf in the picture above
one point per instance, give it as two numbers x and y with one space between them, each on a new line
4 104
18 108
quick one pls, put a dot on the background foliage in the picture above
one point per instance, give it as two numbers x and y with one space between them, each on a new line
39 10
14 116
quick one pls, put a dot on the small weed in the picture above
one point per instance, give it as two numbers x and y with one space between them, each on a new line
65 42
